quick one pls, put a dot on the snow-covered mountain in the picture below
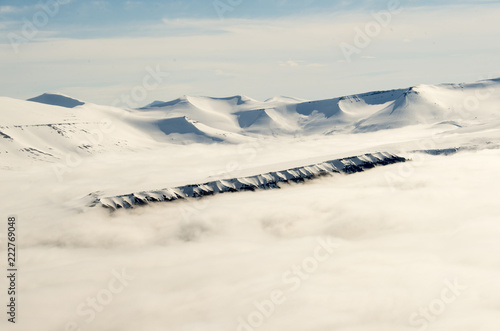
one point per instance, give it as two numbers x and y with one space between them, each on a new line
50 126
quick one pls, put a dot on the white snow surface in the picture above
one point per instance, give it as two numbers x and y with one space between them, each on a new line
408 246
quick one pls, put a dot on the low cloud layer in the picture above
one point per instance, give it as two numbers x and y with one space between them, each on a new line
411 254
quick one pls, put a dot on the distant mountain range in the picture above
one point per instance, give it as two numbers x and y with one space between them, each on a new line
50 126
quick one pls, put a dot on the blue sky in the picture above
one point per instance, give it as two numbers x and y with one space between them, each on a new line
79 18
98 50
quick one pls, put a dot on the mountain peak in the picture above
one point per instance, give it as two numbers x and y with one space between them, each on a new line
57 99
285 99
155 103
240 99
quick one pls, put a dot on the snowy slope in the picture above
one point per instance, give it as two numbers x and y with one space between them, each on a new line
35 131
51 126
463 104
278 115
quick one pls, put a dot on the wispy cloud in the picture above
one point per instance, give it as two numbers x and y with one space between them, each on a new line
289 63
8 9
132 4
16 9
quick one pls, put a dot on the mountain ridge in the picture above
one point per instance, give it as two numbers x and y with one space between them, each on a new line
49 128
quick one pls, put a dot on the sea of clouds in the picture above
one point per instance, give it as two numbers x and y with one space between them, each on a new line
371 251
